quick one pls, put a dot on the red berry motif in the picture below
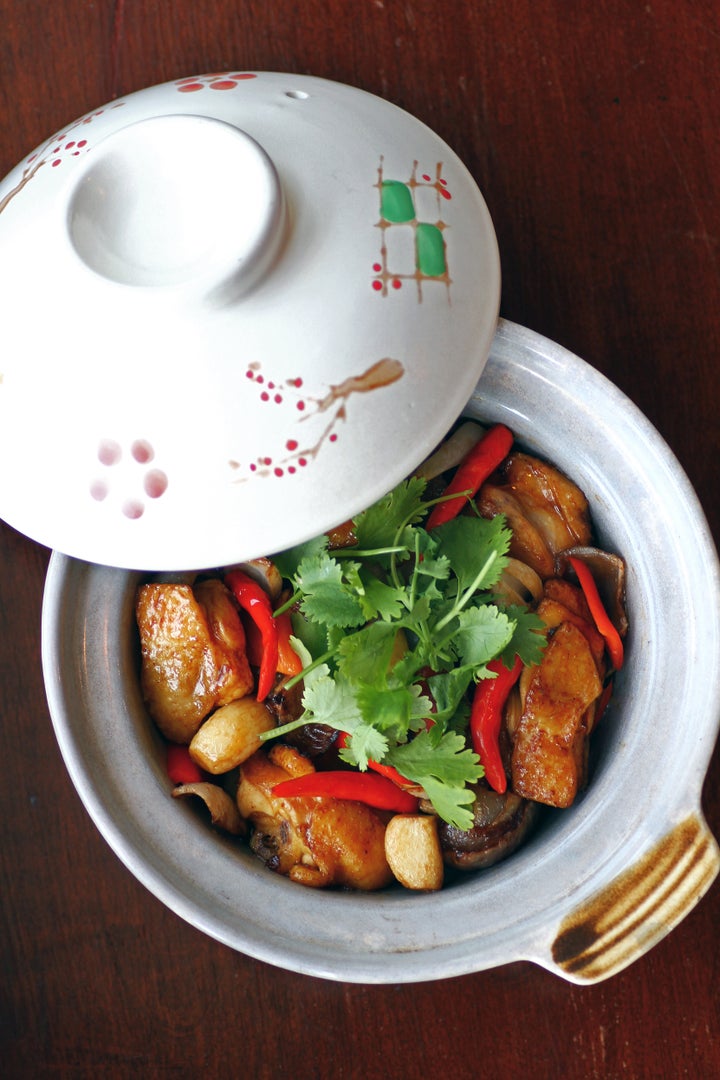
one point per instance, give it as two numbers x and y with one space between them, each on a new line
223 81
331 408
55 151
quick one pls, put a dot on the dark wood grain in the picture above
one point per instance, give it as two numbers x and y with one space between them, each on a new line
593 132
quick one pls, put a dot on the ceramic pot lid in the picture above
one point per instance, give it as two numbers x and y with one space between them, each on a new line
236 310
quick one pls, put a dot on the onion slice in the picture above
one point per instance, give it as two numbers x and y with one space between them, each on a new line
451 452
224 814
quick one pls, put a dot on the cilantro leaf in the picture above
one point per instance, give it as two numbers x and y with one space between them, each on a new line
364 657
313 635
380 599
443 769
470 543
448 759
327 596
448 689
388 710
453 803
431 591
332 701
364 745
379 525
430 563
529 637
483 632
288 561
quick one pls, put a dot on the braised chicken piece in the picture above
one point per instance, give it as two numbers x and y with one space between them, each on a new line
546 511
555 505
563 602
527 544
550 742
316 841
193 654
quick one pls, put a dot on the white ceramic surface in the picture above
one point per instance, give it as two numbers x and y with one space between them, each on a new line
230 304
599 884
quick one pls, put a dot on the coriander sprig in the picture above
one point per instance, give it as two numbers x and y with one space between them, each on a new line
395 629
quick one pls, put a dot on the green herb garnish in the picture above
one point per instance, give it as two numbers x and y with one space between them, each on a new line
401 615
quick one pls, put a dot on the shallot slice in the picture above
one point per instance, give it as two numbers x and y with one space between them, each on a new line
451 452
224 813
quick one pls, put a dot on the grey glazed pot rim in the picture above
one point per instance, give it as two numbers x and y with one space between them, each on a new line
598 885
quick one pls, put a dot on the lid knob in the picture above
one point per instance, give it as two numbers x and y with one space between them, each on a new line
178 200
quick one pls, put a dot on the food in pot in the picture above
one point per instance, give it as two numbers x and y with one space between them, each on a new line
398 697
194 657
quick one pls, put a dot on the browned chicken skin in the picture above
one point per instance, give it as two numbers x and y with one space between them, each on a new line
552 502
550 742
193 654
563 602
315 841
527 544
546 512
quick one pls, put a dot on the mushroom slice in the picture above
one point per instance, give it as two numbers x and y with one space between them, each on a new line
224 813
546 511
500 824
312 740
608 571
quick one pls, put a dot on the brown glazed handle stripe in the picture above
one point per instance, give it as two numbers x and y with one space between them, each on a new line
621 923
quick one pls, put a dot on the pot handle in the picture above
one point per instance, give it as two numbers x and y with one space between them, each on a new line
634 912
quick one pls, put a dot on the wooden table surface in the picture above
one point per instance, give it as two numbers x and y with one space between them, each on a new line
592 130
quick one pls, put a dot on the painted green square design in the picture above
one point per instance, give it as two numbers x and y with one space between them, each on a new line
396 202
430 250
